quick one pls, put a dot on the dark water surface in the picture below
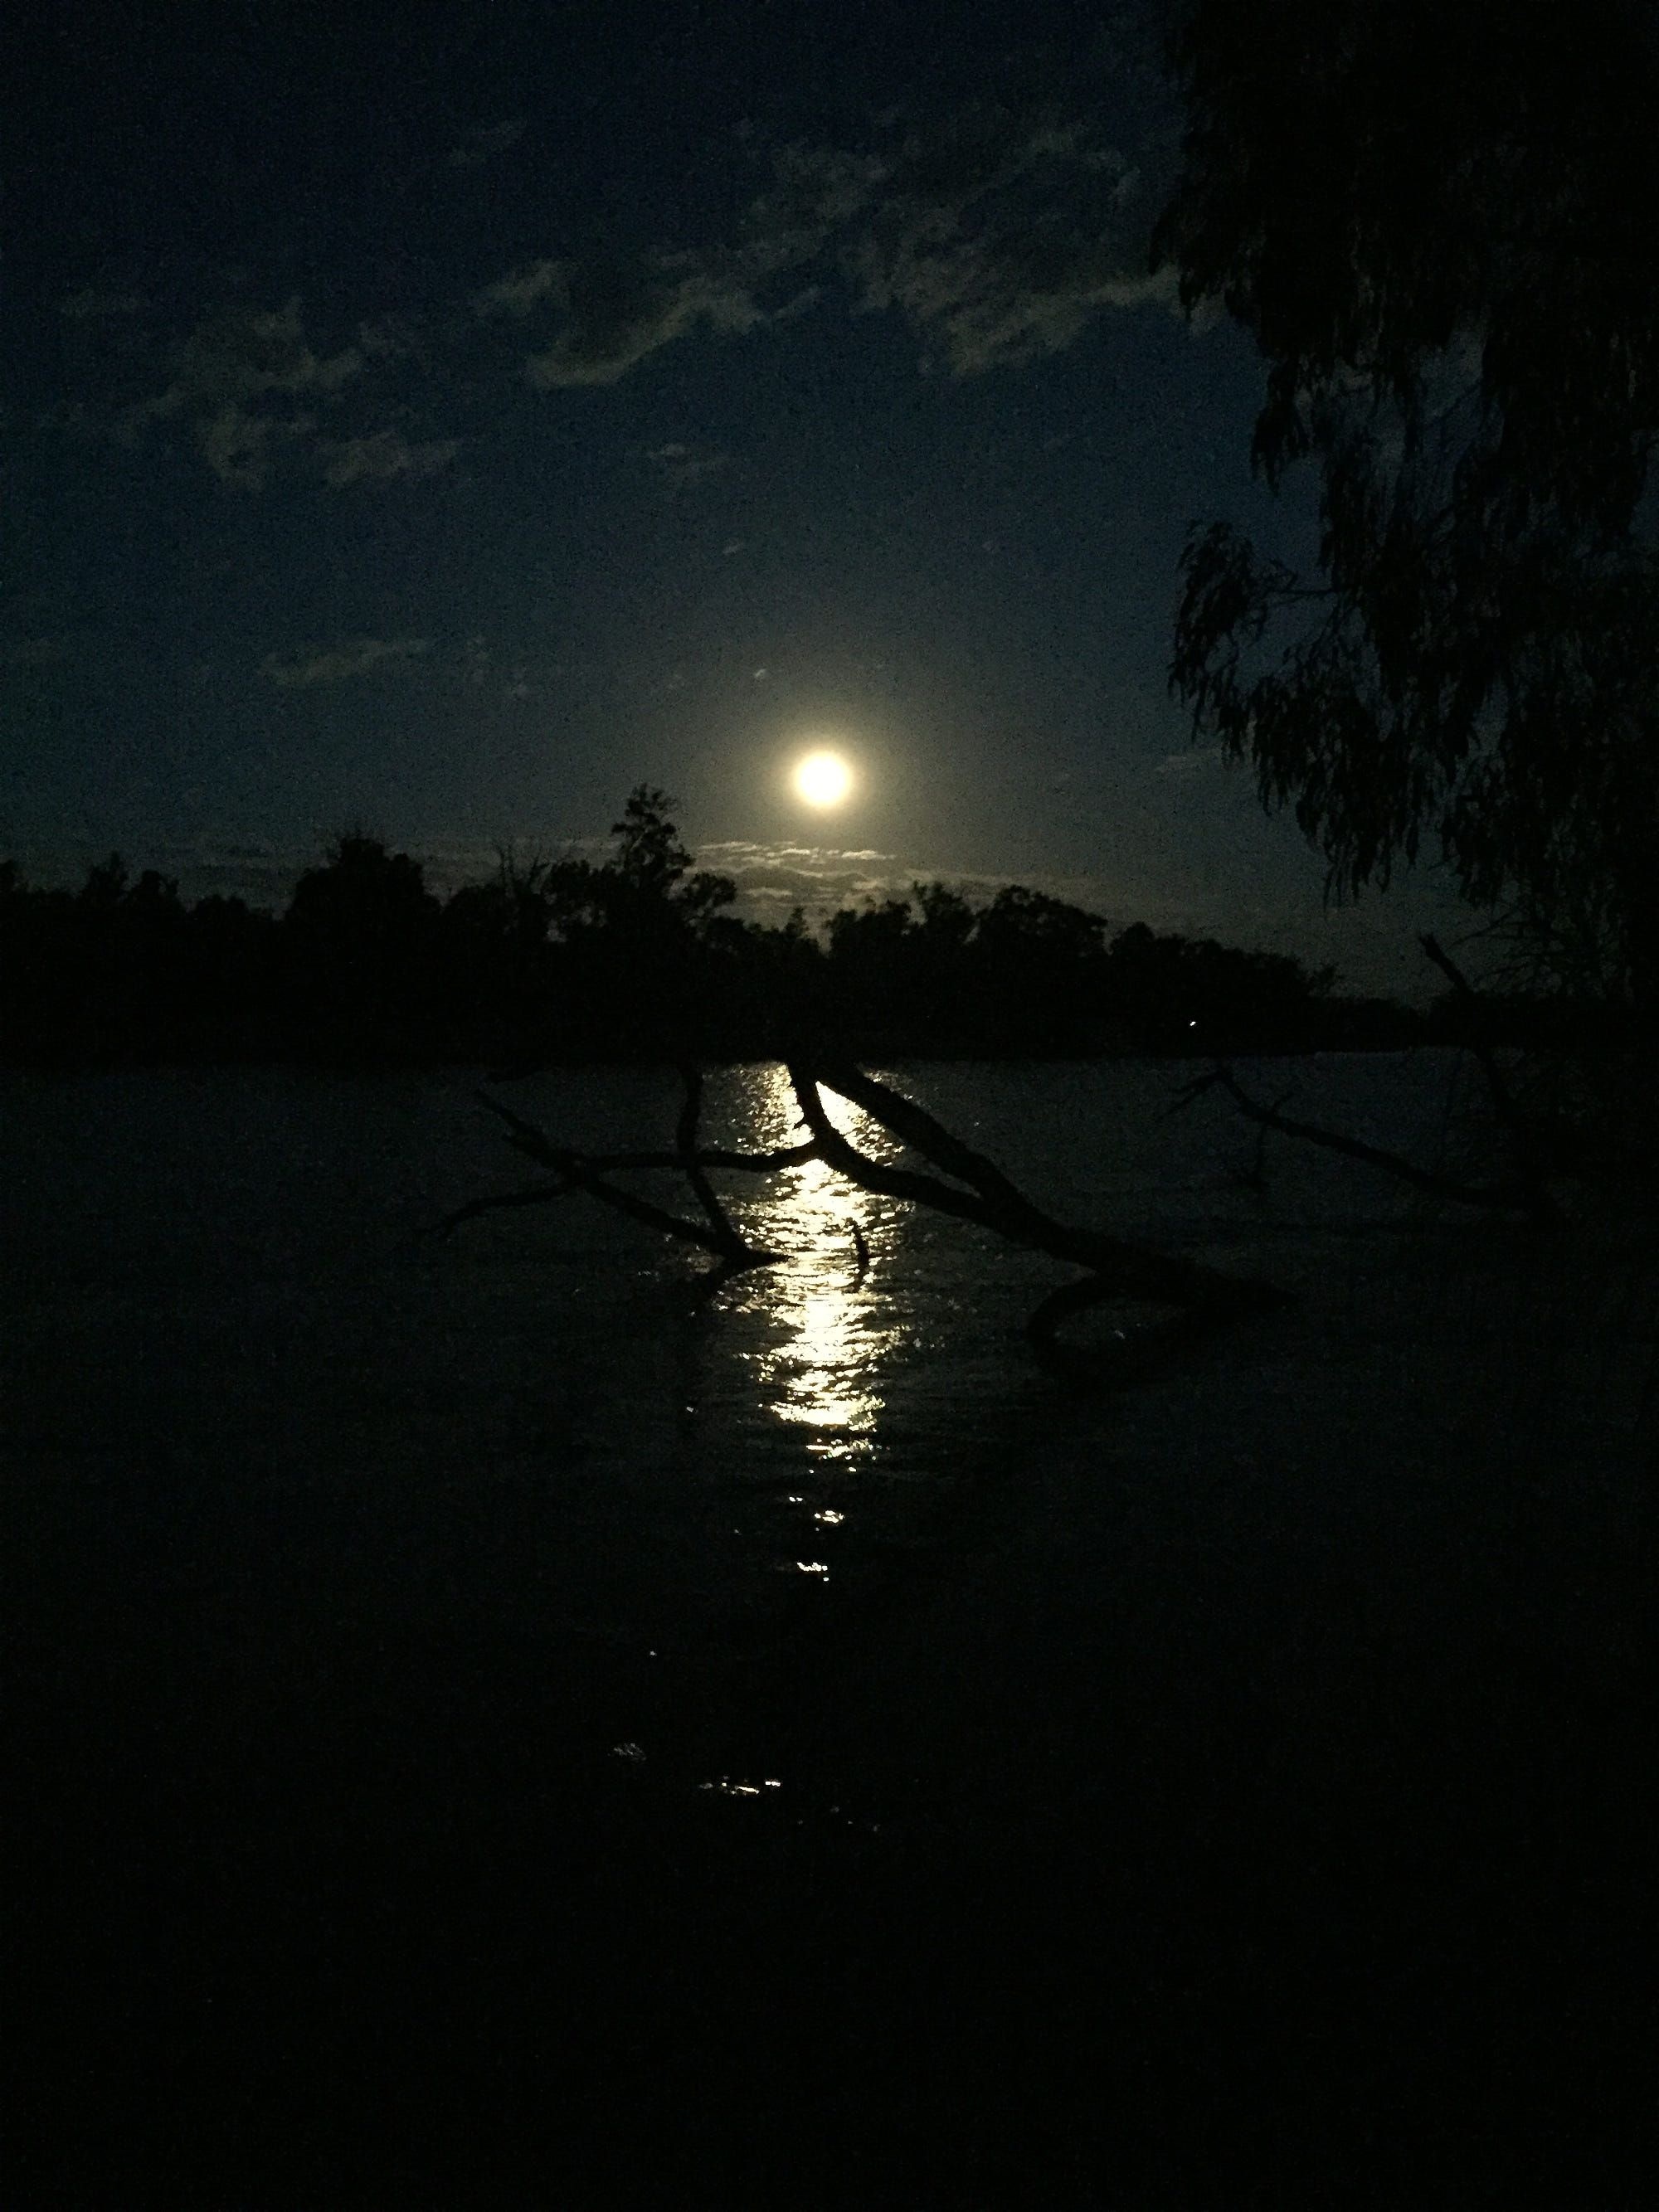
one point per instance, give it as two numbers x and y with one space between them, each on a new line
492 1731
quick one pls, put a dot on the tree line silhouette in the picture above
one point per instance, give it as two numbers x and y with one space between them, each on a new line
637 955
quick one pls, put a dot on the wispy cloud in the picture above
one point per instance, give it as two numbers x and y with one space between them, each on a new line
771 878
247 381
616 314
737 851
337 664
521 289
384 456
613 313
1002 235
998 234
483 669
250 386
237 443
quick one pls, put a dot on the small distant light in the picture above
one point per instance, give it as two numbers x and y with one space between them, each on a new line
633 1752
833 1518
812 1566
1192 1025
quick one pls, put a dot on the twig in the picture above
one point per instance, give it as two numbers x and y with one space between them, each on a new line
535 1145
537 1193
581 1173
861 1248
685 1146
1502 1098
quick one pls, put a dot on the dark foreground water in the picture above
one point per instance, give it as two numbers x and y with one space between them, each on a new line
487 1731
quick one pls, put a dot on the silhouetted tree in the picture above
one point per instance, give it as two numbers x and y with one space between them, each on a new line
649 856
104 973
635 933
1043 962
1438 225
362 896
496 963
105 886
1184 995
40 964
226 996
360 933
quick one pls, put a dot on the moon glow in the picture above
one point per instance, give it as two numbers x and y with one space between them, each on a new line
823 779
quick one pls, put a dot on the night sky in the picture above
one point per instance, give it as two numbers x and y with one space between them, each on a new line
440 420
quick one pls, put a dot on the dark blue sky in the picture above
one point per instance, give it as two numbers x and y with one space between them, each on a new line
442 419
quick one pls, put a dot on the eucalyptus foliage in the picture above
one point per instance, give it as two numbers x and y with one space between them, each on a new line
1438 224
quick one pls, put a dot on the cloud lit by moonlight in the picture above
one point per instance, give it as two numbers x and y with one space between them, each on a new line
823 779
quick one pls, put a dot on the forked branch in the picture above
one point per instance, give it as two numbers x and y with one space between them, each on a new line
716 1234
1130 1271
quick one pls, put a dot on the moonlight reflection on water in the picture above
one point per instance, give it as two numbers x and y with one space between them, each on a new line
825 1376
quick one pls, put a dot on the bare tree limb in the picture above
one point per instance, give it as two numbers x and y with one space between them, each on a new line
685 1146
535 1194
1516 1193
915 1126
877 1176
535 1145
580 1174
1133 1270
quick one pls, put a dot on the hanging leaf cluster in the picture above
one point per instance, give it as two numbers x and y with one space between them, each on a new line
1438 225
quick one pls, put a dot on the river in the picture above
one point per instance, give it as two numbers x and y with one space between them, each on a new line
410 1622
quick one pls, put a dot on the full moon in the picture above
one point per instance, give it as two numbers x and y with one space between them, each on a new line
823 779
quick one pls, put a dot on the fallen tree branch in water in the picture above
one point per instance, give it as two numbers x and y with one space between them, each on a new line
1518 1194
716 1235
977 1191
1133 1271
